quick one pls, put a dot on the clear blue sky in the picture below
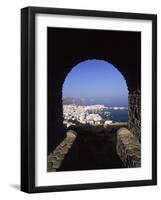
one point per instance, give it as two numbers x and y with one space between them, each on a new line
96 79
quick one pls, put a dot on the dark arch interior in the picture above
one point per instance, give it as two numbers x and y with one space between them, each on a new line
68 47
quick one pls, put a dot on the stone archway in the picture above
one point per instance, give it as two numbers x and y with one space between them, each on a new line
67 47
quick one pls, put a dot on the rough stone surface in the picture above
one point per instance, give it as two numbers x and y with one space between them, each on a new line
71 134
134 113
56 157
128 148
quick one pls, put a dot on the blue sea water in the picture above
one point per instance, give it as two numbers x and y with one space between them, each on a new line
118 115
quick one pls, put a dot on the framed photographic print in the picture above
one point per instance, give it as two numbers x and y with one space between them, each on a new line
88 99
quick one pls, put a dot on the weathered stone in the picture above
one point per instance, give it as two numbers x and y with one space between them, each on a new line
55 158
134 113
70 140
55 164
64 151
57 151
62 144
71 134
69 145
128 148
51 159
59 156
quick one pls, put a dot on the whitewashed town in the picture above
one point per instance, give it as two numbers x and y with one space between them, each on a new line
81 115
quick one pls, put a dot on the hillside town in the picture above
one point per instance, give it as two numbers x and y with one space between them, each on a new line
82 115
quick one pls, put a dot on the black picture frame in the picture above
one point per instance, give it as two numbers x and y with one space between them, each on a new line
28 98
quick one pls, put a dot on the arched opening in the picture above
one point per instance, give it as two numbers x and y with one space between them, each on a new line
95 106
94 93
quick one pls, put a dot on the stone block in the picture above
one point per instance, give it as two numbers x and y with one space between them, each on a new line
128 148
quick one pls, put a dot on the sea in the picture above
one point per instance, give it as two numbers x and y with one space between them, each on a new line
119 115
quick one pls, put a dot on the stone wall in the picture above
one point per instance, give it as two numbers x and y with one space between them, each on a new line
128 148
134 113
56 157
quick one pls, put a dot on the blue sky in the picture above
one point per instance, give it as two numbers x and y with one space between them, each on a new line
96 79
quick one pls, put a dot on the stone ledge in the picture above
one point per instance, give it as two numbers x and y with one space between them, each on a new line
128 148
